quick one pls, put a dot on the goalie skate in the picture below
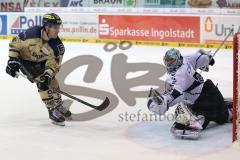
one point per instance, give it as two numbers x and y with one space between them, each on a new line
184 132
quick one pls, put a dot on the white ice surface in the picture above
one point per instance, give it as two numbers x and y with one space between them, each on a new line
26 133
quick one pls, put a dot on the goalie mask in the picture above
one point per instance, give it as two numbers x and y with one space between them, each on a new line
173 60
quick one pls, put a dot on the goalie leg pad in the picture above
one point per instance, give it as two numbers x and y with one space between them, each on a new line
187 125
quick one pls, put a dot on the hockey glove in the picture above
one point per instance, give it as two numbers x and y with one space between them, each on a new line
13 66
212 61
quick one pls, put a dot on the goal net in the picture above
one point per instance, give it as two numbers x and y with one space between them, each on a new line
236 85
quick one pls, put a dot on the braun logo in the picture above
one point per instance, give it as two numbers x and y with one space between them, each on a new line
108 2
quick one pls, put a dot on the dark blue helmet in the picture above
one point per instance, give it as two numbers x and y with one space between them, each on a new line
51 19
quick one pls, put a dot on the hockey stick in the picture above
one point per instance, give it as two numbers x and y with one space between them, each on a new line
100 107
222 43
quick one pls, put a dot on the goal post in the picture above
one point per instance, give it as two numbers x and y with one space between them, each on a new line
236 83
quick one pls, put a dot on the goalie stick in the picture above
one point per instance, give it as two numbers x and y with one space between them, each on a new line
100 107
231 31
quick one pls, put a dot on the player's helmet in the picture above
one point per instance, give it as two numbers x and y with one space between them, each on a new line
51 19
173 60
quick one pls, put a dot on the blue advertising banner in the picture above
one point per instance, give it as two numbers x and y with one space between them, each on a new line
3 25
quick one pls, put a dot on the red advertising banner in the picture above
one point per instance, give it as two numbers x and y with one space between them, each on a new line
150 28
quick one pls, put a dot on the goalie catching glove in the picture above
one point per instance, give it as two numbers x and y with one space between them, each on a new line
157 103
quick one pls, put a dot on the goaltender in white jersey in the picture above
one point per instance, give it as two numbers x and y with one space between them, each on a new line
199 101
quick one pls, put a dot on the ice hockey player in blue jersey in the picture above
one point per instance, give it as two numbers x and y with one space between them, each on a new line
38 52
198 102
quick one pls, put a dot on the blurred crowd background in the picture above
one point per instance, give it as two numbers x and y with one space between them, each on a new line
20 5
